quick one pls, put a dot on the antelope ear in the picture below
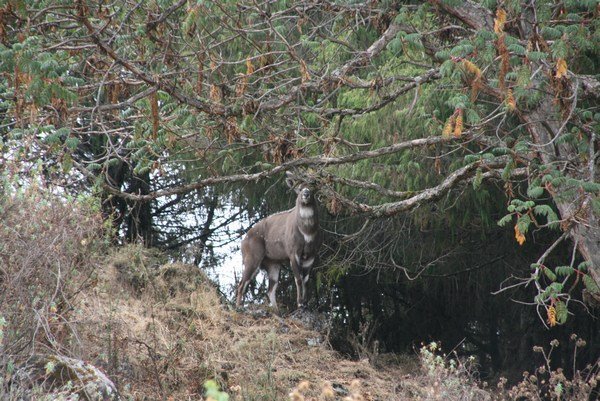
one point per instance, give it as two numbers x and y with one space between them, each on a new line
289 180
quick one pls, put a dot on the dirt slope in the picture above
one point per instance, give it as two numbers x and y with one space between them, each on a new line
160 331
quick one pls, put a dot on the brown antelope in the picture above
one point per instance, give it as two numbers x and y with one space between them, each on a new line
291 236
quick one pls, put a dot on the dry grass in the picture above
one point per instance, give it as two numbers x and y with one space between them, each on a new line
47 256
169 338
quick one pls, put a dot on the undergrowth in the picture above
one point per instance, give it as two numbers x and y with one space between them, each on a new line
553 384
49 249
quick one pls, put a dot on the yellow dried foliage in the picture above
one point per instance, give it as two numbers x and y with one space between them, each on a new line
3 12
304 72
327 392
241 85
511 103
232 131
552 316
215 94
114 92
334 206
519 235
448 127
499 21
471 67
561 68
249 66
213 63
458 126
476 81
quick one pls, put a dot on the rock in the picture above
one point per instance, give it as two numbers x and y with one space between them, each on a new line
313 342
63 378
311 320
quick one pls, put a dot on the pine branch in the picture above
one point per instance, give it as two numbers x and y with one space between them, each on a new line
202 105
318 161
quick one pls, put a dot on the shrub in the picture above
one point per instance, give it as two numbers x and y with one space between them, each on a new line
550 384
47 256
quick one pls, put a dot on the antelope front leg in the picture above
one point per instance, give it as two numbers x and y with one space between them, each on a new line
297 270
305 278
306 266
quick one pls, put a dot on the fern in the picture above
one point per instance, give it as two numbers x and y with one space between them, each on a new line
501 151
550 274
523 223
94 166
462 50
53 138
506 172
561 312
590 284
536 56
535 192
559 49
583 266
591 187
516 49
72 143
551 33
472 116
447 68
443 54
564 271
546 211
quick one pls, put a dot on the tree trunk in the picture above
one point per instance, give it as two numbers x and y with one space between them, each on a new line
139 219
544 124
576 210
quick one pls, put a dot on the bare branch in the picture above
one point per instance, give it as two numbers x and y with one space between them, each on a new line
454 179
321 161
472 14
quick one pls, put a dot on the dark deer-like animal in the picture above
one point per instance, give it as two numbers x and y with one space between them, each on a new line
292 236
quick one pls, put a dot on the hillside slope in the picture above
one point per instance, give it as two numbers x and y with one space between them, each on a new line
160 331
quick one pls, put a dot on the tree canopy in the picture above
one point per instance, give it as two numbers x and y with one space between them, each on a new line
425 125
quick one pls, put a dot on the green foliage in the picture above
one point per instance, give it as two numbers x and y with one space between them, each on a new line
590 284
213 393
564 271
523 223
561 312
505 220
548 212
535 192
550 274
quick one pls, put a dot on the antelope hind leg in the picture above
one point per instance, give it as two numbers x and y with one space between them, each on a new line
273 273
251 268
